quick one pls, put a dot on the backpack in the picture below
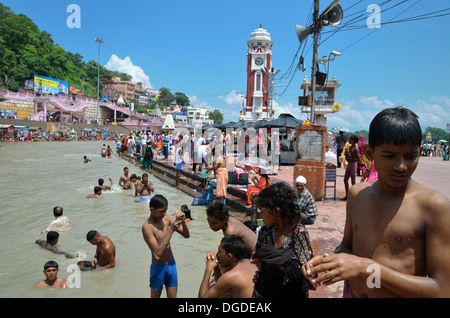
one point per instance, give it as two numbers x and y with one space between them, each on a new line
243 178
233 177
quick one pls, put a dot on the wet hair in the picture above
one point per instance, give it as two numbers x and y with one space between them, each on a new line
217 209
50 264
51 236
91 235
133 176
57 211
158 201
234 244
251 225
144 175
279 195
187 212
97 189
398 125
100 181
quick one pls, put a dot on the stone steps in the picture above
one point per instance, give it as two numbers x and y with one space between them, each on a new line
191 184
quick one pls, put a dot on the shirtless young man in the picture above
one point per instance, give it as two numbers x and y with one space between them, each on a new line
97 193
218 219
105 255
396 234
51 277
157 232
49 244
125 180
233 273
144 189
103 186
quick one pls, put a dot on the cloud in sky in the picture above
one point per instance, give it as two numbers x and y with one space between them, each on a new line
126 66
355 114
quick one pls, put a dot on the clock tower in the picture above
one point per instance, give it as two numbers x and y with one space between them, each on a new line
259 64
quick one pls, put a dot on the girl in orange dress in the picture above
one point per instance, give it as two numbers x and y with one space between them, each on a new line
258 185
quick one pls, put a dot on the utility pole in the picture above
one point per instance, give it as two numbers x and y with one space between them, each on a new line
314 62
99 41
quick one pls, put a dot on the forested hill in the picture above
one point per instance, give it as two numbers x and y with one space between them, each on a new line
26 51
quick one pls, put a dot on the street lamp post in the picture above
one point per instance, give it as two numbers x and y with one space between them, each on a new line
99 41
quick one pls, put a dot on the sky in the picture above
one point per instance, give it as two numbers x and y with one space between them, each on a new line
199 48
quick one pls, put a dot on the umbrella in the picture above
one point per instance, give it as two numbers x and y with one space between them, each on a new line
442 141
339 128
284 120
255 162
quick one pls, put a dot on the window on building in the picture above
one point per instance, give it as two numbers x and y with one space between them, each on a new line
258 80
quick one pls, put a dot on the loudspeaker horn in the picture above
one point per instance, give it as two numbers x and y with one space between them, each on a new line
303 32
334 16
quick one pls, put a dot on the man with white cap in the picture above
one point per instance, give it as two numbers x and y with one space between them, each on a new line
305 202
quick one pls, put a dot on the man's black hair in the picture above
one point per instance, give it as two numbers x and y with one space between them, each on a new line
51 236
91 235
398 125
50 264
158 201
234 244
217 209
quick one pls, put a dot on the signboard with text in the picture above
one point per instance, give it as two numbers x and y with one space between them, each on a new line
47 85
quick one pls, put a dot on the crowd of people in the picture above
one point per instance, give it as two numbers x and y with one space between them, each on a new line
352 153
394 243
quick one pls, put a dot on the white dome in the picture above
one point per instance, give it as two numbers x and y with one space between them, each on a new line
260 35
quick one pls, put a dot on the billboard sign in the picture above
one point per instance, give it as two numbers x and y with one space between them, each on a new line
47 85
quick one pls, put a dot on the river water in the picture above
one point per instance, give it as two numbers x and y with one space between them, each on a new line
39 176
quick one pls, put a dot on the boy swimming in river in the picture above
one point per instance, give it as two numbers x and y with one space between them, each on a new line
49 244
396 236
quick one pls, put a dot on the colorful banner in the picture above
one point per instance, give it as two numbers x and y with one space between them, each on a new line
47 85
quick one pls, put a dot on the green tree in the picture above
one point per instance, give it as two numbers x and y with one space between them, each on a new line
436 134
25 51
182 99
165 96
216 115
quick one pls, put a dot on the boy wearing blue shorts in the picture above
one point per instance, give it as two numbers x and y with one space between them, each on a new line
157 232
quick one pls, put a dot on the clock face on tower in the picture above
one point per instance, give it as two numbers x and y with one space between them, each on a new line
259 61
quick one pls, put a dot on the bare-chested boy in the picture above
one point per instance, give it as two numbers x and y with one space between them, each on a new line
97 193
396 234
49 244
218 219
125 180
105 254
51 277
157 232
233 272
144 189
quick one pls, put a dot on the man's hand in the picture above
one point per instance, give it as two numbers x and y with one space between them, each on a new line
211 261
328 269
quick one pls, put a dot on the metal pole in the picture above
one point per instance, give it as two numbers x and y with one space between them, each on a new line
314 68
99 41
98 77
